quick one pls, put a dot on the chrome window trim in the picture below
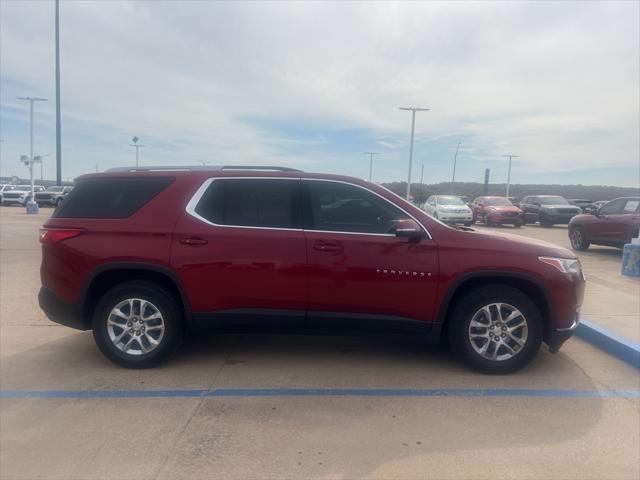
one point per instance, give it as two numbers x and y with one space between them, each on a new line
197 196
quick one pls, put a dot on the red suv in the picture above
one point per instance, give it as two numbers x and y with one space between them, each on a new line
614 224
497 211
141 256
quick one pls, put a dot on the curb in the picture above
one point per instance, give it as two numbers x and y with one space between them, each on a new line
615 345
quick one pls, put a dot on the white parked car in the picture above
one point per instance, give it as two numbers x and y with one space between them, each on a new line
448 209
19 194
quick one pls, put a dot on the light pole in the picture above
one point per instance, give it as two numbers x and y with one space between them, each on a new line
455 160
371 154
413 111
58 127
31 100
510 157
135 144
422 183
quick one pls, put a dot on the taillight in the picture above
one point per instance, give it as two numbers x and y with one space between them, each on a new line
51 236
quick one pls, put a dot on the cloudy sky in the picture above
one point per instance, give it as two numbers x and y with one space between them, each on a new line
313 85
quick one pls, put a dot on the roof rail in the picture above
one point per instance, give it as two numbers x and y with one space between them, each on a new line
169 168
259 167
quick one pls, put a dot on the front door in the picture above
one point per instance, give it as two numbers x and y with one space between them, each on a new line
361 275
241 253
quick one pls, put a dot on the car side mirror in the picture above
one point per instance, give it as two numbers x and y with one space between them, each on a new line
407 228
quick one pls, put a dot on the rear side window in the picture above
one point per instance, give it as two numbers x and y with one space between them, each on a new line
110 197
267 203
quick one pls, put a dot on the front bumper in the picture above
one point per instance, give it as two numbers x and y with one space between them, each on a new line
59 311
560 335
455 217
13 201
502 218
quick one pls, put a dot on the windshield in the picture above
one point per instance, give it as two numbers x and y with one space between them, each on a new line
450 201
54 189
553 201
6 188
497 202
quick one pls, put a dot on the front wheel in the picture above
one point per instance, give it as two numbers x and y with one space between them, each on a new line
495 329
138 324
578 239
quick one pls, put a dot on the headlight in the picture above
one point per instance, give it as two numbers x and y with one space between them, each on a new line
565 265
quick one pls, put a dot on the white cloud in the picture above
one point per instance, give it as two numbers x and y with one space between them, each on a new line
557 83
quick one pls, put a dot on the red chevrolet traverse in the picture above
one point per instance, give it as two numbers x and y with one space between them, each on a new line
141 256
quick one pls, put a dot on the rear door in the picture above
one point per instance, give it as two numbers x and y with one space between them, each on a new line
360 273
241 253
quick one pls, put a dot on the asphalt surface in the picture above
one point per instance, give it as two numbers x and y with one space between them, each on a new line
298 406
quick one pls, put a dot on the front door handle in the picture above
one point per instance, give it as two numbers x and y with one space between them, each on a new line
327 247
193 241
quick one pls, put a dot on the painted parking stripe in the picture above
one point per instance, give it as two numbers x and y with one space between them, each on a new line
322 392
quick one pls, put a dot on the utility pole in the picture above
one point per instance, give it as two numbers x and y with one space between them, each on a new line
371 154
455 160
510 157
31 100
413 111
58 125
135 144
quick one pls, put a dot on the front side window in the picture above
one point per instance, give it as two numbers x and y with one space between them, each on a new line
340 207
266 203
613 207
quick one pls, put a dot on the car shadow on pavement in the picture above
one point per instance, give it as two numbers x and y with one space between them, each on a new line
312 436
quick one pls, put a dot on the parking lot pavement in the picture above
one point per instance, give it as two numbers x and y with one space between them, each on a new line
611 300
295 406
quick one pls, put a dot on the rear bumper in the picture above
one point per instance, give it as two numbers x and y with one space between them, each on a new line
59 311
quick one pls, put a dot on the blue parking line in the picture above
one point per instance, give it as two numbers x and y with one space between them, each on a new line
323 392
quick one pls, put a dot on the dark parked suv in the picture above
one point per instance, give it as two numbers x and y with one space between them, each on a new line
548 209
142 256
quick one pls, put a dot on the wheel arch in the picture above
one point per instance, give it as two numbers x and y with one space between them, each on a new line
104 277
530 286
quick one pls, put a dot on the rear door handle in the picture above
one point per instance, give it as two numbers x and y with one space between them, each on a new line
327 247
193 241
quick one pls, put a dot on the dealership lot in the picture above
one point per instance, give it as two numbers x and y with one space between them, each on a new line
303 406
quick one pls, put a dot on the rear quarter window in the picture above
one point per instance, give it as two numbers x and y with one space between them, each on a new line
110 197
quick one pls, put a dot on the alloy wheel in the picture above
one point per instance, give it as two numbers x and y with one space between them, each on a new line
135 326
498 331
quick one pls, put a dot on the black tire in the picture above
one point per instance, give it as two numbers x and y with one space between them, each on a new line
58 202
467 306
468 224
545 221
518 224
578 239
166 304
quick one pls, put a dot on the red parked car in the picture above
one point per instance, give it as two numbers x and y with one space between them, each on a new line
496 211
613 224
141 256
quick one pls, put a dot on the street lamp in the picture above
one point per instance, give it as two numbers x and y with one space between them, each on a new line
510 157
413 111
32 206
455 159
135 144
371 154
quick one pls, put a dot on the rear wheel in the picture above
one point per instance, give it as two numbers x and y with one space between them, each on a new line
578 239
138 324
495 329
